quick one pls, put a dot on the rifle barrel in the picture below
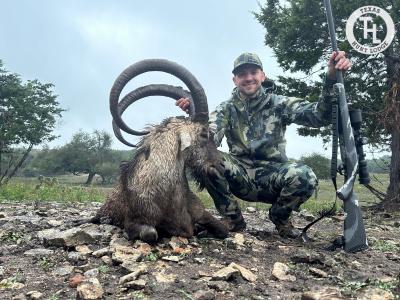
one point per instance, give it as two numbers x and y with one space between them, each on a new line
332 34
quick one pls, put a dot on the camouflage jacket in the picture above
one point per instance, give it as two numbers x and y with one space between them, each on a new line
255 128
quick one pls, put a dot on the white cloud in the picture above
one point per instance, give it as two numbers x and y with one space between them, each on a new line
112 36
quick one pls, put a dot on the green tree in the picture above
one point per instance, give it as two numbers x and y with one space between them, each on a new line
379 165
297 32
319 163
108 171
28 115
85 153
44 162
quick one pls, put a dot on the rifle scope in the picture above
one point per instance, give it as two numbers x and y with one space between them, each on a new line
356 119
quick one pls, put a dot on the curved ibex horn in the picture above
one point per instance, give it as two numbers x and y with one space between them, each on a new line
200 111
146 91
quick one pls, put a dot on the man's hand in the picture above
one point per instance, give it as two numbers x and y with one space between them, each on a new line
183 103
338 61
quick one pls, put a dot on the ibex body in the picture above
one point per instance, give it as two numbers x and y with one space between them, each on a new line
153 194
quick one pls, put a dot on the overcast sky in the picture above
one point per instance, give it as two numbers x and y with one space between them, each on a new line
82 46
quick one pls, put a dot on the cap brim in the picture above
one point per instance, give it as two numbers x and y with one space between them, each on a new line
235 70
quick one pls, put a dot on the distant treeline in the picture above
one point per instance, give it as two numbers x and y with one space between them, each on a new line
91 154
321 164
86 153
41 162
379 165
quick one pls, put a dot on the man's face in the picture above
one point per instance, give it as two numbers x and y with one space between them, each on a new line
248 79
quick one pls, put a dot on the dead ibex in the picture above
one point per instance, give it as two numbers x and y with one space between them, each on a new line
153 195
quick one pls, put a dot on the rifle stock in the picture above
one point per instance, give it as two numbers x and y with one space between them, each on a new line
355 238
354 232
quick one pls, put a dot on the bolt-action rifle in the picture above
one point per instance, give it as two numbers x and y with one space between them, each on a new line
346 126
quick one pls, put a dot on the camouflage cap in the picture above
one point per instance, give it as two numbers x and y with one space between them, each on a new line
246 58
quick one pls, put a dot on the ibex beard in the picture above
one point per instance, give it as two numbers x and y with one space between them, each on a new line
153 197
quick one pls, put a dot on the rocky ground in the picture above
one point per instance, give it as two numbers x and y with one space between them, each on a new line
42 256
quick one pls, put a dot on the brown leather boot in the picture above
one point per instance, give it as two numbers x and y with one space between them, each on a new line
288 230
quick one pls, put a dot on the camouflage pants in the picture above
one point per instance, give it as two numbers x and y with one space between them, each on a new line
285 185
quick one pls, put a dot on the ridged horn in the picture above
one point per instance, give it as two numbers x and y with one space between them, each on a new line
165 90
199 112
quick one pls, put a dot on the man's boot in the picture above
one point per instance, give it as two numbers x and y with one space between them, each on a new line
288 230
280 217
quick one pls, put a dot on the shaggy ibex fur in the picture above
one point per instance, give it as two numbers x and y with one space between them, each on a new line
153 195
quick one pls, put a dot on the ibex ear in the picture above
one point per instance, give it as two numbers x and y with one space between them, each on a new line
185 140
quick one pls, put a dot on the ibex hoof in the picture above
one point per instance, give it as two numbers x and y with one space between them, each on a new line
148 234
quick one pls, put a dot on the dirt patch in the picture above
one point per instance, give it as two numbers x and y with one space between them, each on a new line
42 256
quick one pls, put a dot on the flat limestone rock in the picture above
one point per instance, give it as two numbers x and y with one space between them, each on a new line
225 273
89 289
246 274
139 270
281 272
66 238
39 252
325 293
124 254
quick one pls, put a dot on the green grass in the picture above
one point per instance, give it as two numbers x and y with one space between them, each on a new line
63 179
71 189
29 191
46 263
385 246
12 236
9 282
151 257
350 288
138 295
103 269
